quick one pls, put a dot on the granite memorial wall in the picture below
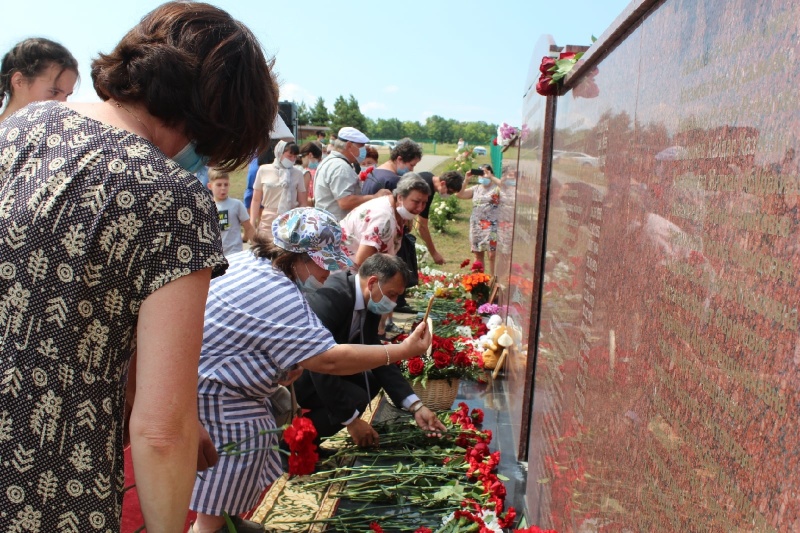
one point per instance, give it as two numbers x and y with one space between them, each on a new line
666 385
520 248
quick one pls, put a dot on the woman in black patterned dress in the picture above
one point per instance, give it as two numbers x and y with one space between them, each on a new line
107 246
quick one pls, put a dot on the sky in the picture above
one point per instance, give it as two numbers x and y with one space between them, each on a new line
464 60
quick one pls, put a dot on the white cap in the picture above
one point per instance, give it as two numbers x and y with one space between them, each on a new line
352 135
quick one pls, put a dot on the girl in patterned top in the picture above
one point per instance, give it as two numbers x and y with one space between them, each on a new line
107 247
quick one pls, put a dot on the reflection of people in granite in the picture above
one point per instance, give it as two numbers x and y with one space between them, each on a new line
505 217
787 165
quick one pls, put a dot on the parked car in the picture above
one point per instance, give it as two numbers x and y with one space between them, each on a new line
579 157
379 143
479 150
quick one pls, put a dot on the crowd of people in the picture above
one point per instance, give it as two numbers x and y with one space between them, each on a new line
133 317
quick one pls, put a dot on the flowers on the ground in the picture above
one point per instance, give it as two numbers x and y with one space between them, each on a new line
300 437
488 309
477 285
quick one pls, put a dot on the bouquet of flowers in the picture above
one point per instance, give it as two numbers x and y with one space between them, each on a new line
450 358
477 284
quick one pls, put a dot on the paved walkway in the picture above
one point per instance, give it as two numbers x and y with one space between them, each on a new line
429 162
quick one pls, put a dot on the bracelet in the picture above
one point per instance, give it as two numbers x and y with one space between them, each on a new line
419 405
388 361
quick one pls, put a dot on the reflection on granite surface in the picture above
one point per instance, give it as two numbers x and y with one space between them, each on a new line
666 385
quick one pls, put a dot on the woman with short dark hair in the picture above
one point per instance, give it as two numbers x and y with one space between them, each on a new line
110 245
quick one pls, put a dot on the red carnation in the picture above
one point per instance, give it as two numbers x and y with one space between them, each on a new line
509 517
300 437
423 529
375 527
477 415
416 366
464 263
365 173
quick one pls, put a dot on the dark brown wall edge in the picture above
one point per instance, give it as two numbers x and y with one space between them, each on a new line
626 22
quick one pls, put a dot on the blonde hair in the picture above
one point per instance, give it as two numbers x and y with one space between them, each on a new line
216 174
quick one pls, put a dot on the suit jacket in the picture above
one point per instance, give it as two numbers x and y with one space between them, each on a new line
334 305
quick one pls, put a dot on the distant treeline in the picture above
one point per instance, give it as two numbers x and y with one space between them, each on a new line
346 112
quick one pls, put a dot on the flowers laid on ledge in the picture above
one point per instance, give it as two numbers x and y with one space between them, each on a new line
477 285
488 309
440 485
450 358
553 71
507 135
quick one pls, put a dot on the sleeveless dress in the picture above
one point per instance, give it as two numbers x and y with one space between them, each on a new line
93 219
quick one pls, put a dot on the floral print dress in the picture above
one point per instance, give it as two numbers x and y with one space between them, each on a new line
484 219
373 223
93 219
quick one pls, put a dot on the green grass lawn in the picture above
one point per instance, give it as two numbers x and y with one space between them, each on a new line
453 243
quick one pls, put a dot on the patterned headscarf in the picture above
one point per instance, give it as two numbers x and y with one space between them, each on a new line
315 232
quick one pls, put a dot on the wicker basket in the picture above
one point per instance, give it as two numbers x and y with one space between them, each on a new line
438 394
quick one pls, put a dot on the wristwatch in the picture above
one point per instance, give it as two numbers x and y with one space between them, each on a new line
416 406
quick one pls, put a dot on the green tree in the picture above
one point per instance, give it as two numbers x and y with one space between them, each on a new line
347 113
437 128
319 113
387 129
303 114
414 129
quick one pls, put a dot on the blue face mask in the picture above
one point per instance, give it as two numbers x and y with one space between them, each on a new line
362 154
313 165
189 159
385 305
483 181
401 171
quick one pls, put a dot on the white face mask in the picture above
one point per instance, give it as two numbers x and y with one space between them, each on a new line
285 163
311 283
405 213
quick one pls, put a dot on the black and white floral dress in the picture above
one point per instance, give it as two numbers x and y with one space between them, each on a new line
93 219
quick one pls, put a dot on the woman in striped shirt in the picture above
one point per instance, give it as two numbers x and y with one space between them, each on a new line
258 329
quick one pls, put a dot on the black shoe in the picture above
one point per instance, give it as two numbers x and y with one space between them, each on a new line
391 327
405 309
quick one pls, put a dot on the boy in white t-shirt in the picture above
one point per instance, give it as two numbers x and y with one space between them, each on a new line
233 216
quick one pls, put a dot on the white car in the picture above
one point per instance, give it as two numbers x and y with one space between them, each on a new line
579 157
479 150
382 144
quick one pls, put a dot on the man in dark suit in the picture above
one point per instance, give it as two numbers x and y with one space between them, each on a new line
350 307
